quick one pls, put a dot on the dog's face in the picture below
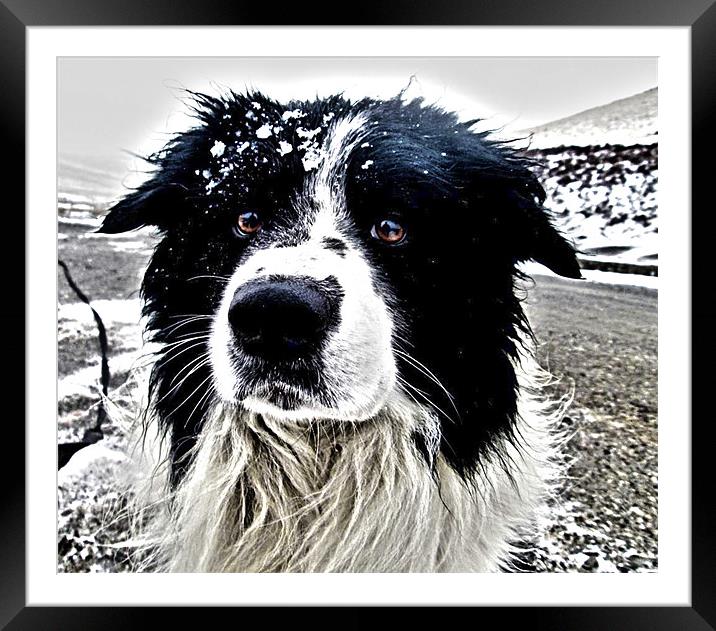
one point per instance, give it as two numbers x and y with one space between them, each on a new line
303 329
319 258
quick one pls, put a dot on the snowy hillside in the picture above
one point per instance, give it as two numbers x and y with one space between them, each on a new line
628 121
604 198
600 170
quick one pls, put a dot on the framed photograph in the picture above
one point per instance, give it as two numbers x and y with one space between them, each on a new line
405 309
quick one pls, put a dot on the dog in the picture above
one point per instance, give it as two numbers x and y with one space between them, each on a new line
345 381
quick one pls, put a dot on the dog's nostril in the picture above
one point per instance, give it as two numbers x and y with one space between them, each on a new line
281 318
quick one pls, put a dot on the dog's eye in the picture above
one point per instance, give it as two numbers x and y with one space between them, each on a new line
388 231
247 223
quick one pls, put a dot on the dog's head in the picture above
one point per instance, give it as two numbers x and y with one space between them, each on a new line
319 258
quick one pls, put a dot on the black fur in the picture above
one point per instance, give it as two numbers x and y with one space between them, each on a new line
473 210
335 245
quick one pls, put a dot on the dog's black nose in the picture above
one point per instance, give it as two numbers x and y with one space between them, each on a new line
282 319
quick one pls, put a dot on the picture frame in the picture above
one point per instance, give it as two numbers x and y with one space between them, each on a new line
16 16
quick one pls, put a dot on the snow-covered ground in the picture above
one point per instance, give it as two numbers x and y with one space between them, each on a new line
597 276
91 525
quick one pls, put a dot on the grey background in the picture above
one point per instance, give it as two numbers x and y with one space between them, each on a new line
108 106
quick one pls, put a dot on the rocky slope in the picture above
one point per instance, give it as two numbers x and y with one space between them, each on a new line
605 199
600 170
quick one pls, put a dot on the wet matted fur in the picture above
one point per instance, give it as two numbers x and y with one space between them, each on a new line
345 379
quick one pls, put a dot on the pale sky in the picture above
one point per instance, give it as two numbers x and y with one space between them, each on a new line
106 105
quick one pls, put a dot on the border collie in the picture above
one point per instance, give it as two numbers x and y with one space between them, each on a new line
345 381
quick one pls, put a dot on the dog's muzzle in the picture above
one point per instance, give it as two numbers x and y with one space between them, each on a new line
282 319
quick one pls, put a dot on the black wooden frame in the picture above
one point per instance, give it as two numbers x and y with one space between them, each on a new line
700 15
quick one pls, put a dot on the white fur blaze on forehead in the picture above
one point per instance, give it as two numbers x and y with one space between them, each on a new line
325 190
340 140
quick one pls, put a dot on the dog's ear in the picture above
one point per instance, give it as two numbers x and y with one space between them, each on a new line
149 205
537 238
502 184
